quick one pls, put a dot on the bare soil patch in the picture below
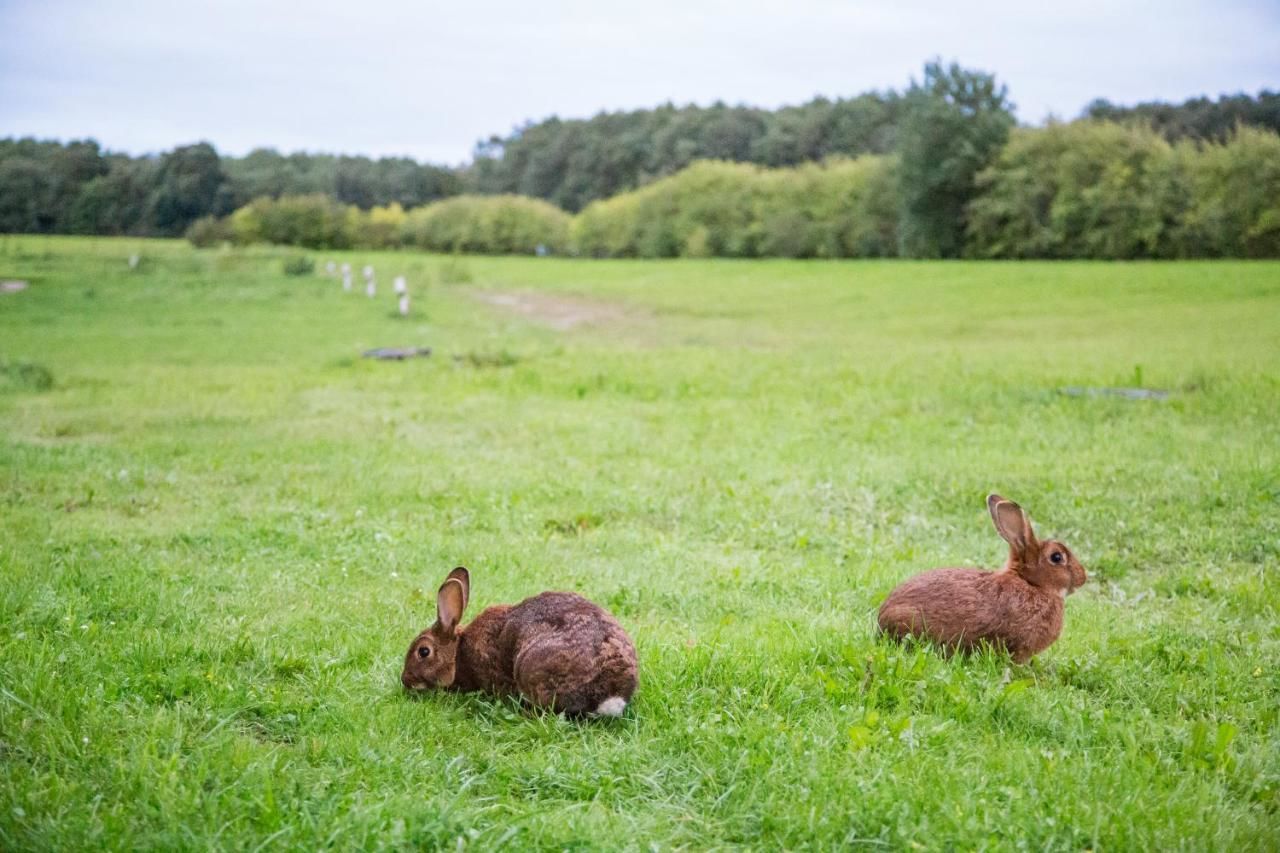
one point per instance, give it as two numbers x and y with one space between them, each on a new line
561 313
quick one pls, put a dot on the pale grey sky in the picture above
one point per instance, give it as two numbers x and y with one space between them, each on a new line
428 79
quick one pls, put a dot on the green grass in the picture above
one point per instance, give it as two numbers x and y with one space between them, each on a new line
221 528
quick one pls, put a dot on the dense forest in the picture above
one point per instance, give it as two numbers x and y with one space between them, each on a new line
935 164
1086 189
77 188
1197 119
572 163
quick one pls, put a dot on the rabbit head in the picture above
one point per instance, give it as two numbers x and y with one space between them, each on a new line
1049 564
432 659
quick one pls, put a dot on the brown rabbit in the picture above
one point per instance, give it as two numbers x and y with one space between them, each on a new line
556 649
1018 608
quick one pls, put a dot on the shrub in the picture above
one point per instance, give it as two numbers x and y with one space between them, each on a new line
208 231
1095 189
379 228
314 221
839 209
492 225
299 265
1235 196
1080 190
843 208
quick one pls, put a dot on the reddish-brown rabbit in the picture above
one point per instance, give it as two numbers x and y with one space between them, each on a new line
1018 608
557 650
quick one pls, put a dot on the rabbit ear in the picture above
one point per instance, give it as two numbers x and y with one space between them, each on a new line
462 576
1012 524
450 602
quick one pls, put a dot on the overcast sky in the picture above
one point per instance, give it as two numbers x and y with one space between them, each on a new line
428 79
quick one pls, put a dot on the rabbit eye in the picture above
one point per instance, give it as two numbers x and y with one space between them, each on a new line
1056 557
424 651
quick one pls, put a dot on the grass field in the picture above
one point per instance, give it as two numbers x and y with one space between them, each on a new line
221 528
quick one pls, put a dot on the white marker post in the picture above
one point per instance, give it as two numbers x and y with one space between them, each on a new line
134 260
346 277
402 289
370 285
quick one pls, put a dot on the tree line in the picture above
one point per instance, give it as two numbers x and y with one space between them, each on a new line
49 187
574 162
1199 119
935 158
1087 189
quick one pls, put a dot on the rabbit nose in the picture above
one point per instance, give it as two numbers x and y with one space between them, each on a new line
1077 581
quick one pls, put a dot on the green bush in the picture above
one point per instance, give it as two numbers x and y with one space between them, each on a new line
490 225
608 229
1102 190
1080 190
314 221
299 265
378 227
839 209
709 208
1235 196
208 231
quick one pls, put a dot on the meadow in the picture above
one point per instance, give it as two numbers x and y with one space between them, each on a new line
222 526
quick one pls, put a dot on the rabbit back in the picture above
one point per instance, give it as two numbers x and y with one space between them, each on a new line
569 654
961 608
